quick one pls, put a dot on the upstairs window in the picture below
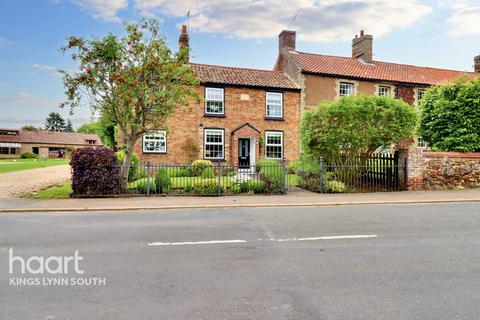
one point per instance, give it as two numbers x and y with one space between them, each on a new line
214 101
274 145
155 142
346 89
384 91
274 105
214 144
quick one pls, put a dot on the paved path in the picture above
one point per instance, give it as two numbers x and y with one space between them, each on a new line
19 183
423 264
292 199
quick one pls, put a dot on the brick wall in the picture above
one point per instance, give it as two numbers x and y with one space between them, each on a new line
440 170
242 105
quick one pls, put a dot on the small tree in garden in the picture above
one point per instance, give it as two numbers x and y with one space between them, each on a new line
351 129
135 80
450 116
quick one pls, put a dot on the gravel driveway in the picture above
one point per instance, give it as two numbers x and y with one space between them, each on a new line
20 183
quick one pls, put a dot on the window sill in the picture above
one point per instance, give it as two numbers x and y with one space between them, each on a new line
275 119
154 152
207 115
215 160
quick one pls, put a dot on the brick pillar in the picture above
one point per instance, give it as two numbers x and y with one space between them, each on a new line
414 169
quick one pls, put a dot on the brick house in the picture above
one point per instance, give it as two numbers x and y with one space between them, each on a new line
45 144
246 114
325 77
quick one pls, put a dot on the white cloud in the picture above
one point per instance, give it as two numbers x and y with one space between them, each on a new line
25 99
43 68
465 20
4 41
326 20
103 9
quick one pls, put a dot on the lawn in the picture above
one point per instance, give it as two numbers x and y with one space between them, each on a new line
56 192
11 165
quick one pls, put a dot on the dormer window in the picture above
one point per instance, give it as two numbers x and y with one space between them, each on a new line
214 101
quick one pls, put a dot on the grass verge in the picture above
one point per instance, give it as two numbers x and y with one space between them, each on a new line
61 191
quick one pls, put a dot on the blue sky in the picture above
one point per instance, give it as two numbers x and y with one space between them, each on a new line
437 33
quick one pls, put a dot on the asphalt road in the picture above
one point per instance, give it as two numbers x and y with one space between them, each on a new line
410 262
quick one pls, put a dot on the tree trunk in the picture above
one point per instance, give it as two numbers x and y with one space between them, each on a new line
125 170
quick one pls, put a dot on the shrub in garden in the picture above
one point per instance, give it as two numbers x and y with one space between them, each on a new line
450 116
334 186
352 128
28 155
207 188
236 188
208 173
141 185
133 173
272 174
191 148
162 181
257 186
95 172
198 166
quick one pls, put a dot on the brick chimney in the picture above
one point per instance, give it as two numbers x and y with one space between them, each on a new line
362 47
477 64
183 41
286 40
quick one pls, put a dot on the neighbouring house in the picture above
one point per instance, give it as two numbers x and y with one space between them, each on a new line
326 77
245 115
45 144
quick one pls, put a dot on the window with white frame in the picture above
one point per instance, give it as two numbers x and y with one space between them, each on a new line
384 91
420 94
155 142
214 101
214 144
346 89
421 144
274 105
273 145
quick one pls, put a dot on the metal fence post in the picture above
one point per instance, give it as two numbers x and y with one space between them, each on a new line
148 178
321 174
219 189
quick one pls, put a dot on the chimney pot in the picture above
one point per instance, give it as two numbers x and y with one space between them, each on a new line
286 40
362 47
477 64
183 41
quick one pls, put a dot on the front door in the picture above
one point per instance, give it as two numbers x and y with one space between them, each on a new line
244 153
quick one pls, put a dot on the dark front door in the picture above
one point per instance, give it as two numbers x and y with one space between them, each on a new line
243 153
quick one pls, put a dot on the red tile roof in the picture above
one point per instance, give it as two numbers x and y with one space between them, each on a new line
242 76
385 71
49 137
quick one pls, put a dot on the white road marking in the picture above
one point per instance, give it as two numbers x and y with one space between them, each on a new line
358 236
194 242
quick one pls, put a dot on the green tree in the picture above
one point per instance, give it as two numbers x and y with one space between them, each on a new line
89 128
29 127
450 116
352 128
105 129
135 80
55 122
69 126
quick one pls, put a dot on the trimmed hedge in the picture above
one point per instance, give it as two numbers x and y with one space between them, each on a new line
95 172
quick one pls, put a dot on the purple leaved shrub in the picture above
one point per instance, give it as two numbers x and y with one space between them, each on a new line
95 172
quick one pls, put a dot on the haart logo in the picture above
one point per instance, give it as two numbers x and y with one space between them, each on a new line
42 265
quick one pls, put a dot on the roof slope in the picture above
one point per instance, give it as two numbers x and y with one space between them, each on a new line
386 71
50 137
242 76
